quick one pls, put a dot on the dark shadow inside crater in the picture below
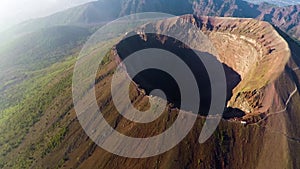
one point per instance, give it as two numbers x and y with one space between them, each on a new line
151 79
232 113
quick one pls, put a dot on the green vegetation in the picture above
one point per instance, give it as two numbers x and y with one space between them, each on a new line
44 47
56 140
28 102
105 59
26 99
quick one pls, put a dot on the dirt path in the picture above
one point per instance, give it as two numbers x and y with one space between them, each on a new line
278 112
281 111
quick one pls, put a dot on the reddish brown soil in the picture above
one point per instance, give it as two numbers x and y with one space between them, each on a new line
269 77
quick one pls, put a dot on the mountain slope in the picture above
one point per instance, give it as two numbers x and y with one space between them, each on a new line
236 8
94 14
277 2
86 14
41 129
270 76
102 11
286 18
57 139
43 47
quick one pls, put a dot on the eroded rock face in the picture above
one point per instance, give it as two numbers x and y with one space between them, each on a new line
267 62
252 52
286 18
156 79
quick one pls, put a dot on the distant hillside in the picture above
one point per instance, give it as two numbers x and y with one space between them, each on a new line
102 11
48 38
42 40
286 18
277 2
99 12
43 47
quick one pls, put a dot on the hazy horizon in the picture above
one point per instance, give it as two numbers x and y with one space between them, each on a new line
16 11
13 12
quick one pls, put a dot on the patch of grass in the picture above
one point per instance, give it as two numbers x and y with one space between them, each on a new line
56 140
27 101
32 97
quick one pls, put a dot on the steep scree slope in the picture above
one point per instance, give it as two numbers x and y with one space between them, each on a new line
269 87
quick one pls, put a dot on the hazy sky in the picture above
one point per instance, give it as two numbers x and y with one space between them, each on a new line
15 11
